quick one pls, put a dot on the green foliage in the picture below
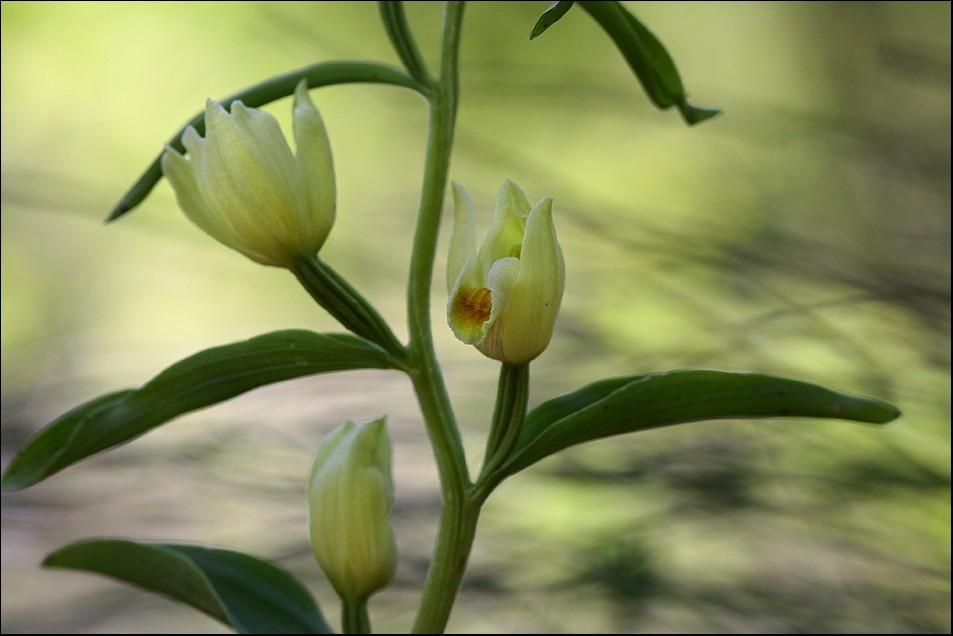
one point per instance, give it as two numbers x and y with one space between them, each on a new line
648 58
247 593
637 403
550 16
252 595
207 378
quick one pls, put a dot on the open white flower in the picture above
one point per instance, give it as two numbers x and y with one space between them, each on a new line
505 298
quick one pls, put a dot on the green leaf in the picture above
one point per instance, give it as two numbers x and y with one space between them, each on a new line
550 17
245 592
207 378
321 74
648 58
637 403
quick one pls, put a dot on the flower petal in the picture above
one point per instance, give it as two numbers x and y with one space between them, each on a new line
510 194
313 154
509 220
250 179
469 308
530 312
181 173
501 281
463 238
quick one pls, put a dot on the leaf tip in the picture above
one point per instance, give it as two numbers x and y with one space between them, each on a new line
696 114
887 413
864 409
550 16
121 208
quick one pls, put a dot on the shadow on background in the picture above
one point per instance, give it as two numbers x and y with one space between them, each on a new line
804 233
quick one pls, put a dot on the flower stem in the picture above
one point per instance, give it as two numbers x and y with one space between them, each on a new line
512 397
346 304
460 511
354 617
395 23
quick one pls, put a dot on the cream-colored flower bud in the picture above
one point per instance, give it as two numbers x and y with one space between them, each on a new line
350 494
243 186
505 299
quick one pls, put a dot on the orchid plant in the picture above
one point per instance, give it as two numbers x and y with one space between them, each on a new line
236 178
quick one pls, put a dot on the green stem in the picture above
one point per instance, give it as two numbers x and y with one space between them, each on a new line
460 512
458 525
512 397
395 22
354 618
348 307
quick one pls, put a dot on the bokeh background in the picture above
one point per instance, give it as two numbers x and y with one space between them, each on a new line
804 233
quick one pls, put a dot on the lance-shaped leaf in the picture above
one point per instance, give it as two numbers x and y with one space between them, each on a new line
640 402
207 378
648 58
247 593
550 16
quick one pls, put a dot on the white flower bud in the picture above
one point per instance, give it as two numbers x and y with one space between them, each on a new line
243 186
350 494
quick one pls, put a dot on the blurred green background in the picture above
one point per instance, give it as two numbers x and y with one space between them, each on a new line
805 233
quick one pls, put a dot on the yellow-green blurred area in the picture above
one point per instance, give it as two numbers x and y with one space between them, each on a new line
805 233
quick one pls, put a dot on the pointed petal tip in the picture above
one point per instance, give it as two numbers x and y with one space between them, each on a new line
302 98
510 186
212 105
544 206
511 195
458 189
462 203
